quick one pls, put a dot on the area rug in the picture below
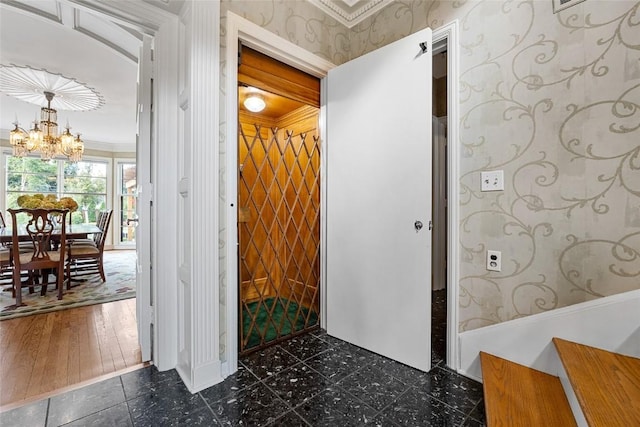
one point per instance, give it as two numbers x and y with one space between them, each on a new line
119 267
265 326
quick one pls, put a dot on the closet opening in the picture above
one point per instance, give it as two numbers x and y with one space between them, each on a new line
439 313
278 201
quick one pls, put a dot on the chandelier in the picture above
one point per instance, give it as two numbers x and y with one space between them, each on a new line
39 86
44 137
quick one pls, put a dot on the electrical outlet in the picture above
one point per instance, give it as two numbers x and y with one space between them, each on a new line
492 181
494 260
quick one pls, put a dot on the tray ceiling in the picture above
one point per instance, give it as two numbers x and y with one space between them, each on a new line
70 43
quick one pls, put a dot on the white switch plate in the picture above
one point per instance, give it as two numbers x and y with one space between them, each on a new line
494 260
492 181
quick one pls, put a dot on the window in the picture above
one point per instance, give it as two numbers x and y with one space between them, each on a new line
126 173
86 182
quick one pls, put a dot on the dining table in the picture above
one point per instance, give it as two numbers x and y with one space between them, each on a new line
74 231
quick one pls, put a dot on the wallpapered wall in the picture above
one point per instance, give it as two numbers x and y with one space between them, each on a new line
551 99
554 101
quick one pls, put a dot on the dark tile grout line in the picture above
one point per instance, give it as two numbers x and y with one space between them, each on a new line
46 416
480 402
409 385
291 408
129 411
380 412
126 401
210 408
301 362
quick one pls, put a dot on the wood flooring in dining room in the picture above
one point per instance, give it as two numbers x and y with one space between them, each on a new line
47 352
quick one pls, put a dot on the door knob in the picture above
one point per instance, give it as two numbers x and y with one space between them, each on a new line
418 225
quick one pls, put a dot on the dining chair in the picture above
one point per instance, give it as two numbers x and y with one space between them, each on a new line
38 231
85 256
95 238
6 263
6 260
6 267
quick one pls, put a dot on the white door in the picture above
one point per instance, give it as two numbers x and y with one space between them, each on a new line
378 279
143 206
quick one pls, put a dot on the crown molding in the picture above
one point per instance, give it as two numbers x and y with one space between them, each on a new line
350 12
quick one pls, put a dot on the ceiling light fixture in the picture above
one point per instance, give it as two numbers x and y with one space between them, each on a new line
255 103
57 92
44 137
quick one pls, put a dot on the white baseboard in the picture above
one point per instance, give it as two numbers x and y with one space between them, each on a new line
631 346
203 376
610 323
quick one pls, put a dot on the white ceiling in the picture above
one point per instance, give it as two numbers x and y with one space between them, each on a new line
52 35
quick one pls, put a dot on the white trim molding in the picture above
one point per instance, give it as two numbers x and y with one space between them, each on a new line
449 34
607 323
199 338
350 12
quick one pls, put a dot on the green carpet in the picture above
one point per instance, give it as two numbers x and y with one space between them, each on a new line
284 313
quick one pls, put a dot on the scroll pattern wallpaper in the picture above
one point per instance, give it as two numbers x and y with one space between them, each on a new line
554 101
551 99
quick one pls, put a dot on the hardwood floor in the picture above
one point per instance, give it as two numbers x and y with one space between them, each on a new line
51 351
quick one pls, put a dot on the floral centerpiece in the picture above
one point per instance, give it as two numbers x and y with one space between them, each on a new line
50 201
47 202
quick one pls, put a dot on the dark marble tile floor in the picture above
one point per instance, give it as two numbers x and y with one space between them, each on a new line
310 380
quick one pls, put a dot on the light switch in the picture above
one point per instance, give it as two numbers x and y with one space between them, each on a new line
492 181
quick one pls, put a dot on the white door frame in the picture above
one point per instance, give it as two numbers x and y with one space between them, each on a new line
144 194
252 35
163 27
262 40
448 35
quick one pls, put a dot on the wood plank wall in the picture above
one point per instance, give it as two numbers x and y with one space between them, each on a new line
269 276
258 70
